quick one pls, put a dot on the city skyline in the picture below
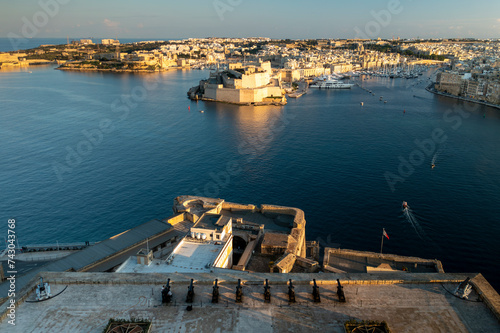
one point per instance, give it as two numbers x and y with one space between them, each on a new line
237 18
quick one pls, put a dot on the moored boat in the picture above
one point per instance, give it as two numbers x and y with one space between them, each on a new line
332 84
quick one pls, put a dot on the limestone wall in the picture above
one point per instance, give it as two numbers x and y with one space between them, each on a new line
296 241
393 257
295 248
238 207
176 219
255 80
217 92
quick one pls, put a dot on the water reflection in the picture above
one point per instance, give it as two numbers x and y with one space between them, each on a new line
256 128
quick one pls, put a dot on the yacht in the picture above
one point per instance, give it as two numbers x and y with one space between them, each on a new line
332 84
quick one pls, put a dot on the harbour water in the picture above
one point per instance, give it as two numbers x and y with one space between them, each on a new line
87 155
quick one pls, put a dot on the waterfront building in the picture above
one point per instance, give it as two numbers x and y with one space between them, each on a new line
86 41
242 84
449 83
110 42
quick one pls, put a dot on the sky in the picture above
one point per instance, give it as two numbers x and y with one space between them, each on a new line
166 19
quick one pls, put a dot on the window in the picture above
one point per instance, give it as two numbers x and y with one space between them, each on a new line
217 236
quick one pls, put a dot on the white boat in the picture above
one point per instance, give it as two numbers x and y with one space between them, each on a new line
332 84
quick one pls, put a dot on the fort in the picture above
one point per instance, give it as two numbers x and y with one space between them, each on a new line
243 85
222 266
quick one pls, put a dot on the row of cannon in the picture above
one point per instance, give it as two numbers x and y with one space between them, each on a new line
166 293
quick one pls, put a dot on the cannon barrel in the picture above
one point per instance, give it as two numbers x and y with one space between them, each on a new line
166 295
340 291
291 292
239 292
190 293
215 292
315 293
267 292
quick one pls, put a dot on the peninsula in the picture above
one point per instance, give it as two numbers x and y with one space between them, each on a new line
241 73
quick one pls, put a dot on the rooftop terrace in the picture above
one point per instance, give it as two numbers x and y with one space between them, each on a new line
188 256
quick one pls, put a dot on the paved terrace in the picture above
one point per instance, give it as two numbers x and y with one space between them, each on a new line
407 302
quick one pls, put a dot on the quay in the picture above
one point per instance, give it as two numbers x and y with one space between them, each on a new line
430 89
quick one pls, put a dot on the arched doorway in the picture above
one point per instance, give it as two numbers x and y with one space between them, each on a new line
239 245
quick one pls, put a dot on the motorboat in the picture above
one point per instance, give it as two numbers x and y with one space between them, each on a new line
405 205
332 84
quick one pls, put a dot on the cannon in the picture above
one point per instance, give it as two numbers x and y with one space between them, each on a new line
267 292
291 292
42 291
340 291
315 292
239 292
166 294
215 292
464 289
190 293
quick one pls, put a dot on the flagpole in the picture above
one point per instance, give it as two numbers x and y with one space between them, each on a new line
382 242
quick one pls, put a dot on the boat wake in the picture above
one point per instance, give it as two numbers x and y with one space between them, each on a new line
412 219
436 155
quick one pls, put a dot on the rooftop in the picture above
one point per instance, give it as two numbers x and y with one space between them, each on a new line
188 256
271 221
211 221
90 255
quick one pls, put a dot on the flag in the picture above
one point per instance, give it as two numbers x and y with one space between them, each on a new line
385 234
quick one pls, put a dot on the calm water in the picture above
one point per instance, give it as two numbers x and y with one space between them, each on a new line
323 153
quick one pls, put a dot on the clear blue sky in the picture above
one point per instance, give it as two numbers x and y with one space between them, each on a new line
166 19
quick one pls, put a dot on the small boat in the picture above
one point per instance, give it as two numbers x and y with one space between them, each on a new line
405 205
433 165
202 111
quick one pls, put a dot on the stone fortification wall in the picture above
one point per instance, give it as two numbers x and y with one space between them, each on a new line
238 207
296 248
217 92
393 257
